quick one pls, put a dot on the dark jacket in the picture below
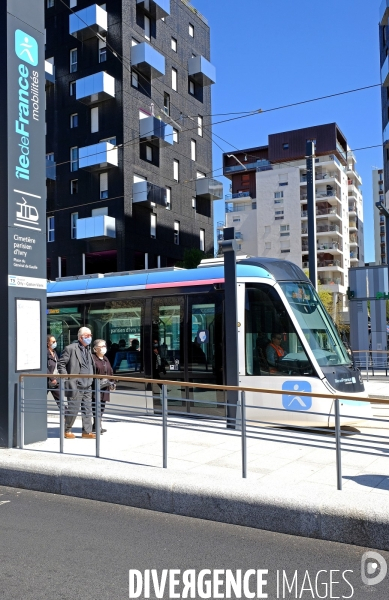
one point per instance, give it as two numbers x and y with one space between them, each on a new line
102 367
70 362
51 365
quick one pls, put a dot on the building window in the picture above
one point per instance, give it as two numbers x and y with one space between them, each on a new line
73 225
134 79
175 135
194 203
174 79
285 146
285 250
72 3
168 198
191 30
284 231
283 179
149 153
278 194
147 27
176 165
176 232
102 51
279 215
50 3
72 88
200 175
50 229
166 103
74 159
202 240
110 140
193 149
50 156
103 186
73 60
200 126
94 119
191 87
174 44
253 205
153 225
73 120
74 186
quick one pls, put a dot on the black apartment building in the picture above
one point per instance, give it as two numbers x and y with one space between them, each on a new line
129 151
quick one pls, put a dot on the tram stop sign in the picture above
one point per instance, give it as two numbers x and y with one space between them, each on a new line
23 211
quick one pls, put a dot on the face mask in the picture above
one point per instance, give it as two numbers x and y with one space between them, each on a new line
86 340
53 345
155 345
103 351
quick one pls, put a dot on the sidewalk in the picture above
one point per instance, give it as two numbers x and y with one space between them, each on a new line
290 488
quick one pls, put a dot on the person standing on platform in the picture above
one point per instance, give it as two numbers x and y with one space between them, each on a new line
102 366
76 359
52 368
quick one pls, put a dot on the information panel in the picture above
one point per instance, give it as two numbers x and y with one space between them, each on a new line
28 335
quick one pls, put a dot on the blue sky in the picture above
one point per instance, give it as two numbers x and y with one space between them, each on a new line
271 53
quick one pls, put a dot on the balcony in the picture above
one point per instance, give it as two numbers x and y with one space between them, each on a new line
333 246
353 225
258 165
51 171
231 207
210 189
320 177
354 255
95 88
352 208
201 70
321 212
144 191
147 60
238 195
156 132
158 9
98 156
328 195
330 281
327 227
85 23
329 264
49 72
100 226
384 12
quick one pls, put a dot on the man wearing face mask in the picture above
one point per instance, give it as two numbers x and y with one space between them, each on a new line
76 359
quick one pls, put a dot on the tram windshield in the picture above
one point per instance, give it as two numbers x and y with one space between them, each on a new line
316 324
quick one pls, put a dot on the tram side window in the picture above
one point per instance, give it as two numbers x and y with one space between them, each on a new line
120 323
272 344
63 323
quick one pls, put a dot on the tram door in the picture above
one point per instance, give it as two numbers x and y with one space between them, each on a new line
187 332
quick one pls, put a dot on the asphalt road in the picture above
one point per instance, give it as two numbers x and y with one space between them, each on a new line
56 547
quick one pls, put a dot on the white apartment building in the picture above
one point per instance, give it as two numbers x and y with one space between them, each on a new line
268 204
379 220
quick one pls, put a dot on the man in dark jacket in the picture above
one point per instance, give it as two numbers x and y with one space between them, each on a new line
76 359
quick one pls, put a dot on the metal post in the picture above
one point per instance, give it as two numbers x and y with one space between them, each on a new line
97 416
338 445
21 418
61 414
367 366
311 201
164 425
244 441
228 247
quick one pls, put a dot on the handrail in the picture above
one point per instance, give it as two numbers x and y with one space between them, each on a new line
208 386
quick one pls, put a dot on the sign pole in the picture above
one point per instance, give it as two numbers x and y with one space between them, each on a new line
22 226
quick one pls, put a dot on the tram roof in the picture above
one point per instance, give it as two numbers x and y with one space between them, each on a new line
265 268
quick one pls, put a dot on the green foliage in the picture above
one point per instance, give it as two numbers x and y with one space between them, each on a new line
192 258
327 299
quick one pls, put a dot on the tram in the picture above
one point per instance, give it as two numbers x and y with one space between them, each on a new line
286 340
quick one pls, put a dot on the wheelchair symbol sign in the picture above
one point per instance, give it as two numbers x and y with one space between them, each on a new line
294 401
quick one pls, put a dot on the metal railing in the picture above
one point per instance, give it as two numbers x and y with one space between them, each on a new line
374 360
232 425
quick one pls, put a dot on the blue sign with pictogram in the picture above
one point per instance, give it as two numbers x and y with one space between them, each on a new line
294 401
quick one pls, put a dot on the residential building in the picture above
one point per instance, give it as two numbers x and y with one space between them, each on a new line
379 220
384 65
129 153
268 202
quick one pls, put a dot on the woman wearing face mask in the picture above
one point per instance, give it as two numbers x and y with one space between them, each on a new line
102 366
52 359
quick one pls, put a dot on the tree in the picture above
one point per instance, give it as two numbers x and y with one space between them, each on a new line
192 258
328 301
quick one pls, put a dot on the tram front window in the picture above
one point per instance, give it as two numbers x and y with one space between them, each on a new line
272 344
316 324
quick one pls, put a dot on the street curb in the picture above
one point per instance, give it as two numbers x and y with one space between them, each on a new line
344 517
